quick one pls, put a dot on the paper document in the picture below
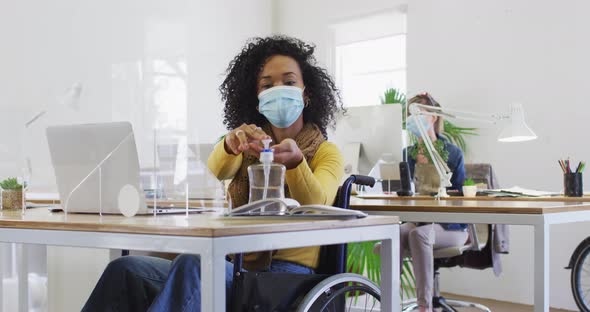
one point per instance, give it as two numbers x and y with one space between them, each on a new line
519 191
377 196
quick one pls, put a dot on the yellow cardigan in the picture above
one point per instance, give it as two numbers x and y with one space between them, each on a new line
315 182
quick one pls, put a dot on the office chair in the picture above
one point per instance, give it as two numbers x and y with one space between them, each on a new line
482 173
327 290
478 239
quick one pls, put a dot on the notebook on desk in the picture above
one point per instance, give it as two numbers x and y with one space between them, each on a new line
288 207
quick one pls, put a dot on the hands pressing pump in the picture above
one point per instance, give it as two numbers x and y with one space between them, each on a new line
248 139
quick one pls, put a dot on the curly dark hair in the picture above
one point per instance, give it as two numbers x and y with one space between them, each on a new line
239 89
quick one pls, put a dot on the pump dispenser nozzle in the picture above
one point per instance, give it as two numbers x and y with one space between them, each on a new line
267 179
266 156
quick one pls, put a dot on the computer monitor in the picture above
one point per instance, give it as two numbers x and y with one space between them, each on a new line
378 129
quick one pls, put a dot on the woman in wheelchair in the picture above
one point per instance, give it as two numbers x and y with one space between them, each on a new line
299 104
419 240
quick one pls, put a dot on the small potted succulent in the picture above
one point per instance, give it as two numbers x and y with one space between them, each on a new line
426 178
12 194
469 188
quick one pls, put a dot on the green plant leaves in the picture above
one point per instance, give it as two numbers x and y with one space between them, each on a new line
361 260
457 134
439 146
408 281
10 184
453 133
393 96
468 182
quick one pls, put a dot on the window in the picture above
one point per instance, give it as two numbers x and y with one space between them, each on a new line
366 67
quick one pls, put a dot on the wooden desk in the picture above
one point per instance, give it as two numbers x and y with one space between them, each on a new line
539 214
584 199
210 235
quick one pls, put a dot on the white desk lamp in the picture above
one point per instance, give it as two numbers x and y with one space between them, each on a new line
515 131
70 98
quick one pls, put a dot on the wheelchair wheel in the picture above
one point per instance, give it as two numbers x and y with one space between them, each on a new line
342 292
580 278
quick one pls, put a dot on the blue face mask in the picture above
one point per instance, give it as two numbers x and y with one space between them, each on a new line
412 124
281 105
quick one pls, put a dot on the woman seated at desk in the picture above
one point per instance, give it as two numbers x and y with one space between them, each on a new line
419 240
434 126
299 104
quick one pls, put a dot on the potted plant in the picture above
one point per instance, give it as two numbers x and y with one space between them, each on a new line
395 96
12 194
469 188
426 177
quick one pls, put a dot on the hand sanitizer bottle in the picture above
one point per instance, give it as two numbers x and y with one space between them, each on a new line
267 179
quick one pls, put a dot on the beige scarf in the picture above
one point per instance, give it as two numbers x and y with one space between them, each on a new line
308 140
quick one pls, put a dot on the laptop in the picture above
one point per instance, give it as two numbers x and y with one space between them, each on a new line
83 155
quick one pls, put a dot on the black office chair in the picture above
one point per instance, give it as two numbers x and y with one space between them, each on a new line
331 289
444 258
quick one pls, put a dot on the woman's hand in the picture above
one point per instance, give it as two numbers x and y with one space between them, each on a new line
287 153
244 138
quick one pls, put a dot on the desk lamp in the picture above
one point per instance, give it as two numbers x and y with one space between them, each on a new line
515 131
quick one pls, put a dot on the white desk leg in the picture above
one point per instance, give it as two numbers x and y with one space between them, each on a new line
4 250
390 273
541 279
212 283
22 258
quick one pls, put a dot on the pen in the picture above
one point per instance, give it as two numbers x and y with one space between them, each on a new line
562 165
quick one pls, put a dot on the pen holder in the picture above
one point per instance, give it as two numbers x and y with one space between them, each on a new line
572 185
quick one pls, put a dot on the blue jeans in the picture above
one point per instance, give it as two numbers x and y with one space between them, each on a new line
137 283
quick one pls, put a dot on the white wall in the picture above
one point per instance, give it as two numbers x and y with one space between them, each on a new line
310 20
109 47
483 55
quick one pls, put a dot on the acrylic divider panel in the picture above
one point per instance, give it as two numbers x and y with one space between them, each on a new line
180 177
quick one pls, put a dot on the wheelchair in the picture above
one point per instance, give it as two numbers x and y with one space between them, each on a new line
580 275
330 289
